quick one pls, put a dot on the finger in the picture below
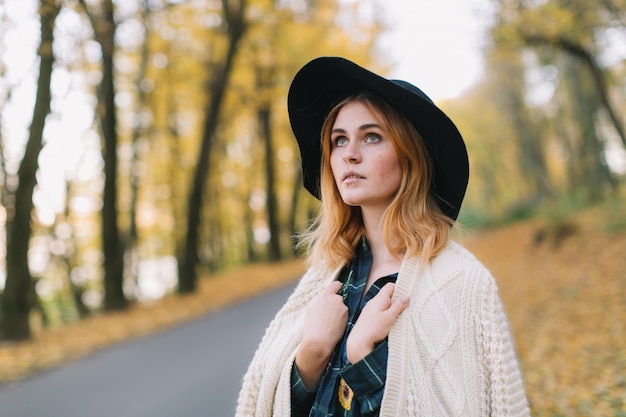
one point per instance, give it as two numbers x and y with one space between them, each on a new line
384 295
399 305
382 300
387 289
334 287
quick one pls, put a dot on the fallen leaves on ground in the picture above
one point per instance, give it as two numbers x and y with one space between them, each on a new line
563 285
564 289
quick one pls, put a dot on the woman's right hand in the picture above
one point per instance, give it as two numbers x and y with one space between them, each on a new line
325 322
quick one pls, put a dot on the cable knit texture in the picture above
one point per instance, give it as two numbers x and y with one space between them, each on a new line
450 353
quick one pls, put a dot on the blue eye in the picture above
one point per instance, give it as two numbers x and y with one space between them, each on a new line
372 138
340 141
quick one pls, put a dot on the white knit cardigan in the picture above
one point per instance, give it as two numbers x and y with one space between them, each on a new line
450 352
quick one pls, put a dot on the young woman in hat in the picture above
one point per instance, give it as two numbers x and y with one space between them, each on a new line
391 318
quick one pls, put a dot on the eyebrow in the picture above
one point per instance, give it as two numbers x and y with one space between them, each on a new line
362 127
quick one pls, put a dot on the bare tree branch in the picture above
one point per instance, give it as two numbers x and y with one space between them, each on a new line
597 73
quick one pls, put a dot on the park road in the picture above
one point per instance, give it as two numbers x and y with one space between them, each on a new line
191 370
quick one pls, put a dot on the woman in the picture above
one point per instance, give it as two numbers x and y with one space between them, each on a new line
391 318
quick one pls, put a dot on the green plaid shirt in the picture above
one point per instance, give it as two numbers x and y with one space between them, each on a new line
348 390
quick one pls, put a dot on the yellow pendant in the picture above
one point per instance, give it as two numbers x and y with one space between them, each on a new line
345 395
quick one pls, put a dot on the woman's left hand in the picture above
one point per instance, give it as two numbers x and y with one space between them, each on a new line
374 323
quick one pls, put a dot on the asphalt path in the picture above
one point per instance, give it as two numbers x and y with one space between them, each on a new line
191 370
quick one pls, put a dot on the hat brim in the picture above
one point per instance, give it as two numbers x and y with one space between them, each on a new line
323 82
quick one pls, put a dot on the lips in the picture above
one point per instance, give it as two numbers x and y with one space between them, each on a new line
352 176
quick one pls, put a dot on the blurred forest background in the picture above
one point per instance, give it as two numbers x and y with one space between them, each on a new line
186 166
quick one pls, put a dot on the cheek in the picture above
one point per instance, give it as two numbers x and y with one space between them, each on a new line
391 171
334 163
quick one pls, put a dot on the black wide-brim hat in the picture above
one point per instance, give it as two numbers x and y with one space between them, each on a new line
325 81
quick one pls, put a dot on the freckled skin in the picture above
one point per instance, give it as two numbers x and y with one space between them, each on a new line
364 162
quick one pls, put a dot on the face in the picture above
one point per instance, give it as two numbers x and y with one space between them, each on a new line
363 160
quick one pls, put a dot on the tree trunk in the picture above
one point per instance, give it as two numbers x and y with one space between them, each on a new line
104 27
264 118
114 298
293 212
595 172
175 160
235 22
69 259
19 295
531 159
248 225
131 262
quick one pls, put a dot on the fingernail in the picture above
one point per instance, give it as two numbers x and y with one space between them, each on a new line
404 299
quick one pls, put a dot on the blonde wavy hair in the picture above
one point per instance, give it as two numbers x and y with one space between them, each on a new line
413 224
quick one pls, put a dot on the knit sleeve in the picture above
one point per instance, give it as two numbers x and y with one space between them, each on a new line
247 401
265 391
507 396
257 396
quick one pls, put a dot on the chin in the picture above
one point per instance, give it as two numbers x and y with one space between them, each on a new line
355 203
351 201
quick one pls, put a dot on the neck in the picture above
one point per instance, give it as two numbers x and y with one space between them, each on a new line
381 256
372 221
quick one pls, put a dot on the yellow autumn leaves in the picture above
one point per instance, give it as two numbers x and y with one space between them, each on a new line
565 295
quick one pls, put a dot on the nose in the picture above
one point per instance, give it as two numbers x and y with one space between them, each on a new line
352 152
